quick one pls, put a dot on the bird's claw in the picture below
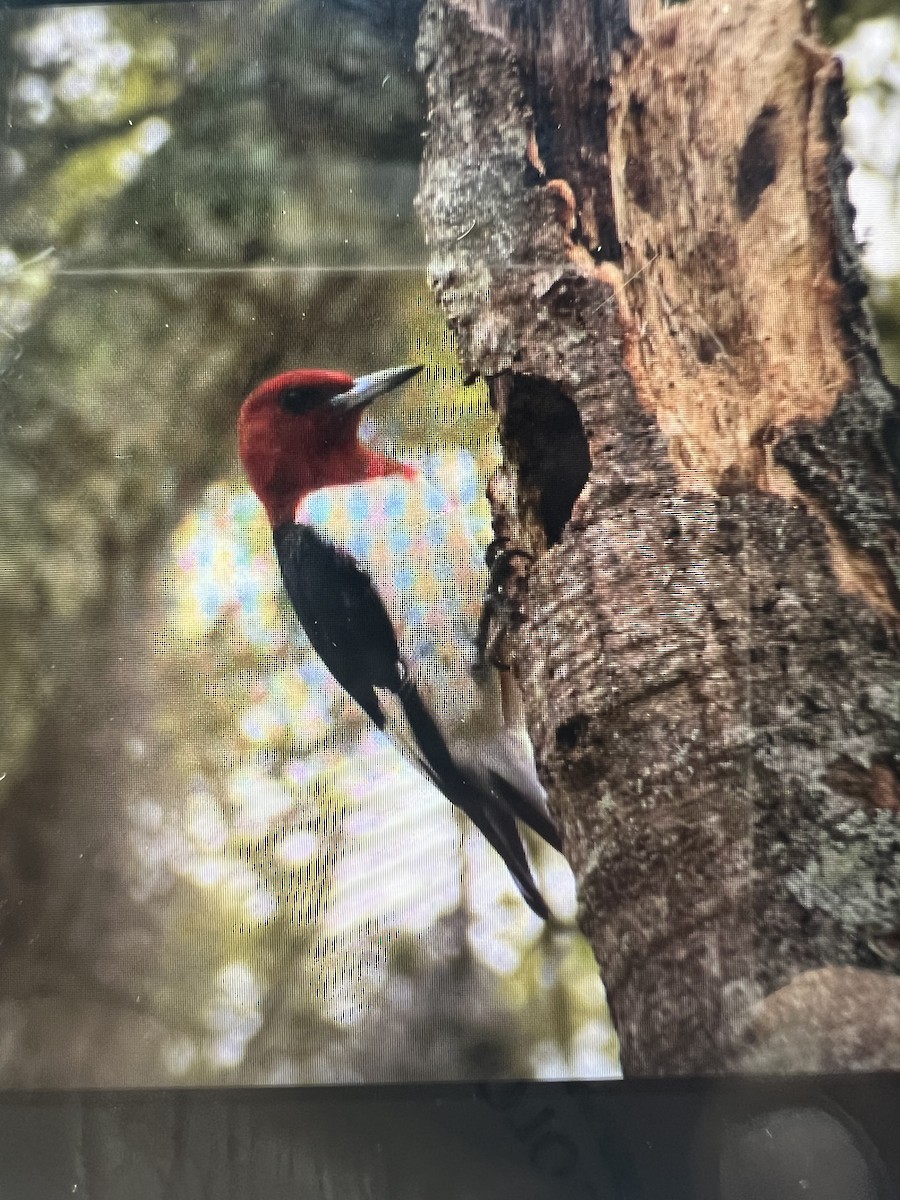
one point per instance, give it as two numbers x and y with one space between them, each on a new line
501 612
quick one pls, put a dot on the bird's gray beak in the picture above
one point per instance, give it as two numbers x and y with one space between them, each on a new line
368 387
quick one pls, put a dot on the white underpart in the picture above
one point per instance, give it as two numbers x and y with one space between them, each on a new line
435 620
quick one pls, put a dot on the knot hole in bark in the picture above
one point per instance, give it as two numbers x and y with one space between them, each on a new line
758 161
545 439
890 433
571 732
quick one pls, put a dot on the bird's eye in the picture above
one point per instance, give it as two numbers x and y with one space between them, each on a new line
304 399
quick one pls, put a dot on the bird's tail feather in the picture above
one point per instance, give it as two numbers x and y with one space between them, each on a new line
527 811
501 831
493 812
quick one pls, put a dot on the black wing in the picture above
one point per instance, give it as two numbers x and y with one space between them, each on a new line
350 629
343 615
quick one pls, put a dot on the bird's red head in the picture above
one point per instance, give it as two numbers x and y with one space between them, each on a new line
299 432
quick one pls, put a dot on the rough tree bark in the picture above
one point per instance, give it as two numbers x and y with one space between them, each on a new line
640 232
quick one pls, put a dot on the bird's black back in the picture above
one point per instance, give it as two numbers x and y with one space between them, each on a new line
343 615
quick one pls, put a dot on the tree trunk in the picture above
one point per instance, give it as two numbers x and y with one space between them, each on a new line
642 238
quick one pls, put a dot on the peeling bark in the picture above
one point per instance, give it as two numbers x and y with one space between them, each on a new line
642 239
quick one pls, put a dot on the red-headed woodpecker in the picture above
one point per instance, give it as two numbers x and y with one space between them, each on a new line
297 433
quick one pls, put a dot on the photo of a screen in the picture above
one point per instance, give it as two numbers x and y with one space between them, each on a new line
448 541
